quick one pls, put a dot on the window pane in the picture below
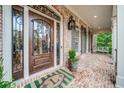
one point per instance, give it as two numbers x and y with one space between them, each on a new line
75 40
58 43
41 37
17 40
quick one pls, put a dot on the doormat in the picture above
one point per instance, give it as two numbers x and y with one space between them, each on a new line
59 79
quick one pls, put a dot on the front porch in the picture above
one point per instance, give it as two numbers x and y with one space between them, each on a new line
38 43
94 71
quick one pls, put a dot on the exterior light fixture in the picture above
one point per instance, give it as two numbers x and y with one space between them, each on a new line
95 16
71 23
82 27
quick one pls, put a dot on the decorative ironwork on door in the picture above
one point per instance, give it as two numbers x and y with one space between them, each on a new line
41 37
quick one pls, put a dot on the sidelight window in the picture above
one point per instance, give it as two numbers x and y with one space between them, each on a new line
58 43
17 42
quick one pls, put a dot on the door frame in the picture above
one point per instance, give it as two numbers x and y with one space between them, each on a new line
6 50
61 32
32 57
61 39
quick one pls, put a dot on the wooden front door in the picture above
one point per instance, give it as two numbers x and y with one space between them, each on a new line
41 42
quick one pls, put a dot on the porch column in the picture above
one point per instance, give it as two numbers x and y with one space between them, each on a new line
26 42
87 45
7 42
114 34
94 42
120 51
114 39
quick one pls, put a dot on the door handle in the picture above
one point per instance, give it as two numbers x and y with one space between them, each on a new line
52 47
61 46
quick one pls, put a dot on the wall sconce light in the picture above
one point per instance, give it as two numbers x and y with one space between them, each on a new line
82 28
71 23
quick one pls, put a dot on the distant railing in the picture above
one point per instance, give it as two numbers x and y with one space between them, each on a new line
102 49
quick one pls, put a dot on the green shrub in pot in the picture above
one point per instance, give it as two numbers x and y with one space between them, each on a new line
73 61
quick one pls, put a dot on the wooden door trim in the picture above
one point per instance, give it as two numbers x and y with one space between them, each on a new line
51 23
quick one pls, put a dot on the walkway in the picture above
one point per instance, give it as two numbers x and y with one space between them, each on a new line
95 71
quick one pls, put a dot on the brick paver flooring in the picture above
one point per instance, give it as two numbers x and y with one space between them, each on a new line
94 71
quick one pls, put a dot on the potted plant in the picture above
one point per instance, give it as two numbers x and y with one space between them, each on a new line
4 84
73 61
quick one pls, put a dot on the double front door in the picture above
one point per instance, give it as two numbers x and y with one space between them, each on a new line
41 42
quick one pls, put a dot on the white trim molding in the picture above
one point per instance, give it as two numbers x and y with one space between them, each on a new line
120 46
26 42
120 82
7 42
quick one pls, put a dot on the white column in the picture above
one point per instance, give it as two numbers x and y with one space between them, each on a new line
94 42
61 43
7 42
120 56
26 42
87 46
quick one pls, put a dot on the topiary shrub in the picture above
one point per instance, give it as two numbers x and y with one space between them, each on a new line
72 56
73 61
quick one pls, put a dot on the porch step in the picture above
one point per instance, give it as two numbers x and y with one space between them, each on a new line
54 78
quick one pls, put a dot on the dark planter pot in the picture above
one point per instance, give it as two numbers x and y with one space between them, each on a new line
73 66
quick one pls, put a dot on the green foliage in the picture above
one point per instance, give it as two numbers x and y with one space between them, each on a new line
4 84
72 53
1 69
105 40
72 56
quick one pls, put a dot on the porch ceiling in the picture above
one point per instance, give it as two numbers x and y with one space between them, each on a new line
97 16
